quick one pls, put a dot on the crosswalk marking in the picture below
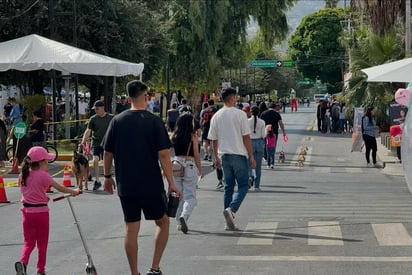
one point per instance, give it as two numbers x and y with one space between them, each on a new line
324 233
391 234
354 170
322 170
259 233
261 258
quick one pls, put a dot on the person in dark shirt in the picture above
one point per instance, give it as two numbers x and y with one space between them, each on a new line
138 141
122 105
172 115
36 130
272 117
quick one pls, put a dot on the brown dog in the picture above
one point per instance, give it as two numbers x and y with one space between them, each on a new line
80 168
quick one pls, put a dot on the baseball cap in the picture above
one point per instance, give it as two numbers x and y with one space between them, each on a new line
272 105
38 153
98 103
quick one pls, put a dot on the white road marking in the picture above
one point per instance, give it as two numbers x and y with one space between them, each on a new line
392 234
310 258
324 233
259 233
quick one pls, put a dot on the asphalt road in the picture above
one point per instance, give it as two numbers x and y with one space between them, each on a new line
331 216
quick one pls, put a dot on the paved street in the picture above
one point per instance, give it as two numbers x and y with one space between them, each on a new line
331 216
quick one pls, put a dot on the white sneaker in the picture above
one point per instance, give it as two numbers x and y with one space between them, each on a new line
257 189
234 229
369 165
230 219
379 165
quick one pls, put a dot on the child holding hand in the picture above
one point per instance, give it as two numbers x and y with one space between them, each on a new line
270 146
34 182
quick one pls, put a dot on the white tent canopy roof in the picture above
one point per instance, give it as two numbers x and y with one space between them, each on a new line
397 71
34 52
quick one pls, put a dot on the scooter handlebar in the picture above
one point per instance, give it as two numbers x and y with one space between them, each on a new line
63 197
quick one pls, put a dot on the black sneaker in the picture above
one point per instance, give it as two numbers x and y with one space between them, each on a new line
97 185
183 225
152 271
209 158
20 268
251 181
206 157
219 185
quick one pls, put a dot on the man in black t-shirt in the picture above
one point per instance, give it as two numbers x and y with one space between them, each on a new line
138 141
273 118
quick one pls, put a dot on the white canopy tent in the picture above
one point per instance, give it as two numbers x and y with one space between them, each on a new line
34 52
397 71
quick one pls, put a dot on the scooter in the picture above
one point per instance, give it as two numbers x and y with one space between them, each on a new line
90 268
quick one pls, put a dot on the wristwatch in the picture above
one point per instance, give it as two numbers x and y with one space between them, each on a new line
108 176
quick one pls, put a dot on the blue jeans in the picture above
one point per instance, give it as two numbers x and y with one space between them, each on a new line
271 155
258 146
235 169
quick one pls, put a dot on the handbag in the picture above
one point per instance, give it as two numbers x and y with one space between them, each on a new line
177 167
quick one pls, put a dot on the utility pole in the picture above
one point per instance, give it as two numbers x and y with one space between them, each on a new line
407 27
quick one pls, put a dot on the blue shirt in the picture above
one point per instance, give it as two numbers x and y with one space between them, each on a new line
15 114
369 127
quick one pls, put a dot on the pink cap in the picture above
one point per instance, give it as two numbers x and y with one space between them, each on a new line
38 153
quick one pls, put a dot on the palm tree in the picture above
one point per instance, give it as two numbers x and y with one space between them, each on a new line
371 51
382 14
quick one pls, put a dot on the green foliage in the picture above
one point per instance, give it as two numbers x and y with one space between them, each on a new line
316 48
372 50
33 103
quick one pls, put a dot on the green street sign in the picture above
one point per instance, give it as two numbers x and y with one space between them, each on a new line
20 130
288 63
263 63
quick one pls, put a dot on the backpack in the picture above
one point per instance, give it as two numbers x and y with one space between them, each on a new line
335 112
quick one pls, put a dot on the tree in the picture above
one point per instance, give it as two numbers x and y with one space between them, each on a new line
209 34
315 46
372 50
381 14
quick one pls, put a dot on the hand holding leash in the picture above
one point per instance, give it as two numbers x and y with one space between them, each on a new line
109 185
285 138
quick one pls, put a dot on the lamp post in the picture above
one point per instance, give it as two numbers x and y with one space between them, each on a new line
67 76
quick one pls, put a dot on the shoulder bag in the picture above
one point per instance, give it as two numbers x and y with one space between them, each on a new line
178 168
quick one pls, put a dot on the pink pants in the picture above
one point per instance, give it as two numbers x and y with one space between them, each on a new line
35 231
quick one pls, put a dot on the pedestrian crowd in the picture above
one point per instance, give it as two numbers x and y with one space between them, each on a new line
144 152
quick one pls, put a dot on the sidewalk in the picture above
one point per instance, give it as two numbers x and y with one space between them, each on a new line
392 163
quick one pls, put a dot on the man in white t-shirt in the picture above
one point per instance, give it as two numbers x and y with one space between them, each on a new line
229 132
82 108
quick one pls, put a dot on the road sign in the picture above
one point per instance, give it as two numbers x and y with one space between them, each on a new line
286 63
20 130
264 63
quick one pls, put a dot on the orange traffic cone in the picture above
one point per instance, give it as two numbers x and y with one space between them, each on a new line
49 188
15 167
3 197
66 177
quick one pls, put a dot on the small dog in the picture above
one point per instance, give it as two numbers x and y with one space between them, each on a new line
80 168
281 157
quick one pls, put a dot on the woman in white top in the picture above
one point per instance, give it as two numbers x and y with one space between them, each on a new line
257 135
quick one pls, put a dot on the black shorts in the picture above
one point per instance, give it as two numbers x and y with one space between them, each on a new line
98 151
154 207
205 132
